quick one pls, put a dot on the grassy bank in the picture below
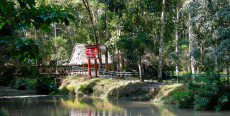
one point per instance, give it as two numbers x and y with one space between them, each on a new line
105 88
167 94
95 87
120 89
132 91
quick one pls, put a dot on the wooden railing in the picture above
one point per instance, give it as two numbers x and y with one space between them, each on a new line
185 77
127 75
54 70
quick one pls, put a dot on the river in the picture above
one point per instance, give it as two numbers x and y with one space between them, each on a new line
71 106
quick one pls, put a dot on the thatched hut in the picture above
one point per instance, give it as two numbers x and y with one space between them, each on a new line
78 57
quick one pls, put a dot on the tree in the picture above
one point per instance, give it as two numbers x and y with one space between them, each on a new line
16 20
87 6
161 42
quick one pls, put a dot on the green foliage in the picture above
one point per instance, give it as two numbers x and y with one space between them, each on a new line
64 91
87 89
184 98
134 47
41 16
62 47
3 113
115 6
31 84
6 74
208 94
15 20
46 85
23 84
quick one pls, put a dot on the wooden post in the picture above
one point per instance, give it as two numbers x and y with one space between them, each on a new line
89 112
89 68
83 68
95 65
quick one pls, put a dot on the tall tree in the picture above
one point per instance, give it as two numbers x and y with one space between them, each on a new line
177 36
90 17
106 35
98 33
161 42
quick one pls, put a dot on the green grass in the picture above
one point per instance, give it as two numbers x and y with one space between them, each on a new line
99 86
119 89
166 94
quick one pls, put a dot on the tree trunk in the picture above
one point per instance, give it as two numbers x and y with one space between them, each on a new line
107 36
87 6
118 61
140 71
121 61
35 34
114 49
55 37
119 53
176 36
227 74
161 42
106 58
191 45
99 37
201 59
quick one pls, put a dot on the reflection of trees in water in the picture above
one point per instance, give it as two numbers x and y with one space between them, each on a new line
92 107
3 113
89 112
172 110
67 106
138 108
44 106
99 107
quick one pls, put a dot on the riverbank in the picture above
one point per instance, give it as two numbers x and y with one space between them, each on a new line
107 88
119 89
94 87
184 95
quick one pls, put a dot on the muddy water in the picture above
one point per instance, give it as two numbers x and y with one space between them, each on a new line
70 106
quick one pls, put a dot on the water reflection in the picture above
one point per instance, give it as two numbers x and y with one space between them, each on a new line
69 106
99 107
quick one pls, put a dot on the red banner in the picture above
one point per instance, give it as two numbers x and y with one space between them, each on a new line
91 51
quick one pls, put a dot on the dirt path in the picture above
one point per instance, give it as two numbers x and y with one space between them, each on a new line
6 91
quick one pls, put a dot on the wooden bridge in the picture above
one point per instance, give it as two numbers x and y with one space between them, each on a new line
54 70
57 72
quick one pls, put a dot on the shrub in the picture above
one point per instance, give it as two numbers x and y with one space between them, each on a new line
185 99
46 85
207 94
3 113
21 83
6 75
65 91
31 85
88 88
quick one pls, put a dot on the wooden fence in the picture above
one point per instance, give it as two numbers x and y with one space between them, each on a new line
185 77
